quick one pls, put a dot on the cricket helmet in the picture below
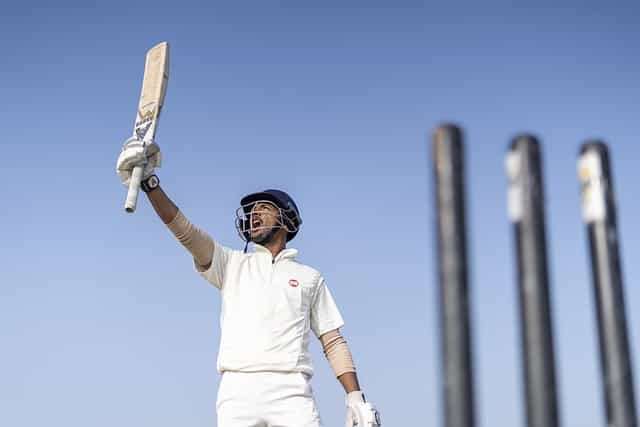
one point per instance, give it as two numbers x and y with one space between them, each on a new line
290 218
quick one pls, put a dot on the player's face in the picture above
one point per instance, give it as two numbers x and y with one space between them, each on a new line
265 218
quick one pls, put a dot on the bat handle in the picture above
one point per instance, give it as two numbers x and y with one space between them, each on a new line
134 188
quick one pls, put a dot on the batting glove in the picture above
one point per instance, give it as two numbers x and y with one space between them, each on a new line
360 412
136 153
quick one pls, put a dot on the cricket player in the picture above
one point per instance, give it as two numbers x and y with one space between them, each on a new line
270 304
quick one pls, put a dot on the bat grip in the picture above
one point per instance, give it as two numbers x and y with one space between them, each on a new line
134 188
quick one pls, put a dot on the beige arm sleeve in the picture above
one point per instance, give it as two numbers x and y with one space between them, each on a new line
199 243
337 351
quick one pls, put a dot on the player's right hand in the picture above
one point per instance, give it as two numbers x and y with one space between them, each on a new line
136 153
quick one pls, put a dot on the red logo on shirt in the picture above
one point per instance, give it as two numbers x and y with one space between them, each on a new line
293 283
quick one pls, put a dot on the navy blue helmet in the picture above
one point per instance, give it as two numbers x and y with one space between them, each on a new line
289 213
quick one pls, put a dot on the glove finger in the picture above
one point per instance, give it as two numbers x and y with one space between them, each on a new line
370 411
130 159
129 164
131 140
155 159
371 415
350 421
125 177
151 149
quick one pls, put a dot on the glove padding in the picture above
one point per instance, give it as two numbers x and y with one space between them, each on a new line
360 412
136 153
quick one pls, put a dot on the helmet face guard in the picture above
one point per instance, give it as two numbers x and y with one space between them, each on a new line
288 214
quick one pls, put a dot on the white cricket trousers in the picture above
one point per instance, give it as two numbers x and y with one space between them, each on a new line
266 399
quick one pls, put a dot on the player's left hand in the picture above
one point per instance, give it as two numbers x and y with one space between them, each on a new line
137 153
360 412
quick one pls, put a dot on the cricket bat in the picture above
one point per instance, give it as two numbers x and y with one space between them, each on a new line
154 88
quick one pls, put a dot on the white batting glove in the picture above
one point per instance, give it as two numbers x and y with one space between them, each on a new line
136 153
360 412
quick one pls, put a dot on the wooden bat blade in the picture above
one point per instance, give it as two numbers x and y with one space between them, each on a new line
154 88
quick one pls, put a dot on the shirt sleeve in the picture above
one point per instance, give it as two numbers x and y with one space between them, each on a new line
216 272
325 315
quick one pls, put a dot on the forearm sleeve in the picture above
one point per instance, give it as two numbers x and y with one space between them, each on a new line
199 243
337 352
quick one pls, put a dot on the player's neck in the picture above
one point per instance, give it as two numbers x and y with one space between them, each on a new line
277 244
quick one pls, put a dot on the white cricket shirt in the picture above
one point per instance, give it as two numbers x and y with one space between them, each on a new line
269 305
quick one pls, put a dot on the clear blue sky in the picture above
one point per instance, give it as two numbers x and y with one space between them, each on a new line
103 322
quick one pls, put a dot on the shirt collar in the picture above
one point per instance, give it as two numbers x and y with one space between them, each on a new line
286 253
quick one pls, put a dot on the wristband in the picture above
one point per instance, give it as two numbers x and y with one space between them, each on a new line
150 183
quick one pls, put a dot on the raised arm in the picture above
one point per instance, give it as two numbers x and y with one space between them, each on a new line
148 156
197 242
162 204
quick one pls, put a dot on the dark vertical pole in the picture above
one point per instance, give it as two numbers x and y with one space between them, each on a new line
599 214
453 277
526 212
